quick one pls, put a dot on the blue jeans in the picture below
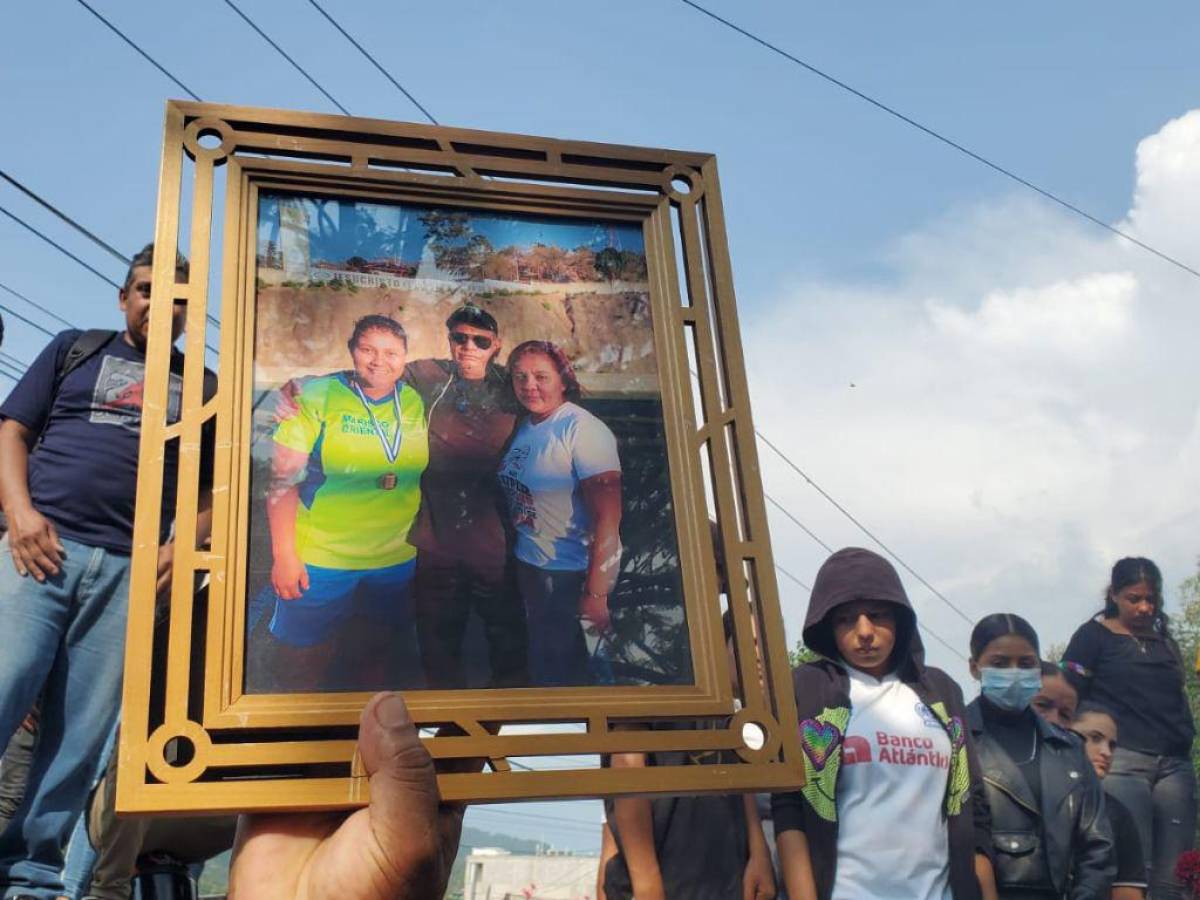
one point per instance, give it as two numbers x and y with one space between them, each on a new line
1160 794
81 855
67 633
558 655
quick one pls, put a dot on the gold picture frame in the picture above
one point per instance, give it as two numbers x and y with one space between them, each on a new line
192 738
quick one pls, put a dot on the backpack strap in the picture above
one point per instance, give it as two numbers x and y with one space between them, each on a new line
87 345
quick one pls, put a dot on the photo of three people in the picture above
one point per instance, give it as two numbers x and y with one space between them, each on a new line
459 475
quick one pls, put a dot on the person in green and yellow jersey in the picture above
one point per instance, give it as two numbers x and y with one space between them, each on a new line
346 473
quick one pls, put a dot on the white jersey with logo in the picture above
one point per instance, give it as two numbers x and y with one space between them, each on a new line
892 836
541 473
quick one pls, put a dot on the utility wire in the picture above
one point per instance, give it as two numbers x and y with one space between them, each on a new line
36 306
12 312
62 215
59 247
386 74
861 527
262 34
19 364
67 252
11 378
66 322
146 56
783 509
846 513
938 136
787 574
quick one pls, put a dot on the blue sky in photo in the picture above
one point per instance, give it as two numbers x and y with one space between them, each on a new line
398 232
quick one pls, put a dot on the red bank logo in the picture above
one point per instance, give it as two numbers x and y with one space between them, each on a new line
855 749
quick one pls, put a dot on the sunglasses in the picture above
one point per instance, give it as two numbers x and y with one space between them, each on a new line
481 341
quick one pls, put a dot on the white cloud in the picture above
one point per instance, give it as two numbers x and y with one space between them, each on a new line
1024 407
1081 317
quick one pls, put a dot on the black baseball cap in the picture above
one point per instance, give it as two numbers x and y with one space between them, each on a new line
470 314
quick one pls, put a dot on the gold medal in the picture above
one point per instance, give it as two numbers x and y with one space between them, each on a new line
387 481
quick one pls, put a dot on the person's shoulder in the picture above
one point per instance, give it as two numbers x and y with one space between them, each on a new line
818 684
943 686
66 338
427 369
575 417
319 387
62 342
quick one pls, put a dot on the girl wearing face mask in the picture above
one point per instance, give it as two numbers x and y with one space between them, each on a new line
1126 659
1050 837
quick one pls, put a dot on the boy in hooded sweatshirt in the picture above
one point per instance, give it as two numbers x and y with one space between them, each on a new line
888 808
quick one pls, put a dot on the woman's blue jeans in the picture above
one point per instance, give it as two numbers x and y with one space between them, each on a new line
1160 794
67 633
558 654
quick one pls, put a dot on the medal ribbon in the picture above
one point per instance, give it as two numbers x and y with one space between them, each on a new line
391 451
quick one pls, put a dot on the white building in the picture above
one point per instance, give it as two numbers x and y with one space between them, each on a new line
494 874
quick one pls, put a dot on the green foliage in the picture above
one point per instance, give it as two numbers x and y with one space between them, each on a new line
1185 627
800 654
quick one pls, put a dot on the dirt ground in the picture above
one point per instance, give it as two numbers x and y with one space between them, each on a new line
303 330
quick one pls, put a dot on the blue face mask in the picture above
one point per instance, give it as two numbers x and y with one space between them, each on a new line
1010 689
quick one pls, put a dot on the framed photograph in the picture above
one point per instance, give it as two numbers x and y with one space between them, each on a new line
482 436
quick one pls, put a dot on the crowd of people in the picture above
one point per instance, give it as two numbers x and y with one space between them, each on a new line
489 490
1070 778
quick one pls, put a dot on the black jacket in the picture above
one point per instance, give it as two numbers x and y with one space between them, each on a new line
822 690
1070 819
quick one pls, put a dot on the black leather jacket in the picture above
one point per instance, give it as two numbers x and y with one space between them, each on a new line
1070 823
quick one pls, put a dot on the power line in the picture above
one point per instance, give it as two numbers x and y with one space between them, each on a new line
146 56
42 201
938 136
11 378
262 34
37 306
62 215
20 363
779 506
59 247
863 528
15 314
66 322
374 62
787 574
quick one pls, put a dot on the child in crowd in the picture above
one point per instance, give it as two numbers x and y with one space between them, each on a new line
1097 728
887 808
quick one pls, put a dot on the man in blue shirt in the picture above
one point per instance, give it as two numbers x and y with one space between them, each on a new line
69 435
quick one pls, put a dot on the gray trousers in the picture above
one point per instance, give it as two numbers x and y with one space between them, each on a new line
1160 794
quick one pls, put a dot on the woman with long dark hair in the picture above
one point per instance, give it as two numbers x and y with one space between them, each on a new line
1126 659
1050 837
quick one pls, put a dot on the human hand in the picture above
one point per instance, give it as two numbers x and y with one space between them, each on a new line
286 406
401 847
33 540
166 563
289 577
594 608
758 880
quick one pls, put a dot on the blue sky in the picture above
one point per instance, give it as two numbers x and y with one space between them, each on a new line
1023 406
